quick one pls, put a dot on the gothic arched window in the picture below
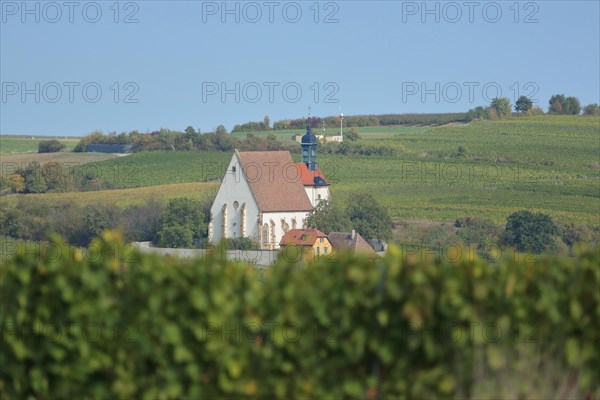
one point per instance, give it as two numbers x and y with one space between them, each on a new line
265 235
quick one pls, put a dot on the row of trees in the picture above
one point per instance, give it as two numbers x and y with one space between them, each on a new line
262 126
180 223
188 140
524 230
51 177
501 107
183 223
371 120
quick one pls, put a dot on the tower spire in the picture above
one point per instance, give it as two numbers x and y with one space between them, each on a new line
309 146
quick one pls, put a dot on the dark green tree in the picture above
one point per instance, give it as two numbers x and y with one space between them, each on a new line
50 146
571 106
35 182
328 217
176 236
182 221
97 218
221 130
529 231
523 104
476 113
369 218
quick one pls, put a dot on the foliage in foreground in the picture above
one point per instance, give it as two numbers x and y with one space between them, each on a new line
112 323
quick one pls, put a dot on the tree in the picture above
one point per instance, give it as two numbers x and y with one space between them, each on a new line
352 135
141 222
267 123
529 231
476 113
16 182
35 182
328 217
190 131
176 236
560 104
572 106
591 109
221 130
502 106
182 221
523 104
98 218
369 218
50 146
556 102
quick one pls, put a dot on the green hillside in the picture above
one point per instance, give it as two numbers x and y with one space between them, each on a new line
489 168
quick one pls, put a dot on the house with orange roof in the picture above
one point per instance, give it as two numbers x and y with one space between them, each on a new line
265 194
312 243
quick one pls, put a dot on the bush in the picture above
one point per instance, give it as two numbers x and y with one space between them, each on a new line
183 221
529 231
50 146
242 243
120 324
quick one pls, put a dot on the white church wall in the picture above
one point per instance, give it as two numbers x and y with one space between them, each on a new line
234 188
313 194
274 219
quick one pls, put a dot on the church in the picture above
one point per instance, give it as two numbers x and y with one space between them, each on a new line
264 194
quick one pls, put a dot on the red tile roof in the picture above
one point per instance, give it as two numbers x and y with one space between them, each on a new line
301 237
272 181
307 176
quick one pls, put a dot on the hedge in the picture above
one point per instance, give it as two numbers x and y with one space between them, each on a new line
113 323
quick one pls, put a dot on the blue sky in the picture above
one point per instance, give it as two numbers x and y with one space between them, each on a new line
68 70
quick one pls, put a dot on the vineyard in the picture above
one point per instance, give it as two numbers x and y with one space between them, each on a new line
125 197
109 322
490 169
545 163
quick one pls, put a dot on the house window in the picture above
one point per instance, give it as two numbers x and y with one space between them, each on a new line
318 250
321 240
325 250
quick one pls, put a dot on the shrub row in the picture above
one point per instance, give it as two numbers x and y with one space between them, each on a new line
117 324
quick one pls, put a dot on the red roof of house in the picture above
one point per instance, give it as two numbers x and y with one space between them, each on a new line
308 177
268 176
301 237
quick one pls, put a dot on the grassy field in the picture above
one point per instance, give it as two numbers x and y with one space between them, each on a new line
126 197
66 158
545 163
24 144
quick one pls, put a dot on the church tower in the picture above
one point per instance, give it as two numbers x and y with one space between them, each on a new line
309 148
